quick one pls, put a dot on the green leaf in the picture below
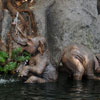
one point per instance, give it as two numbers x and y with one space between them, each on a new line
2 60
22 58
17 56
26 54
27 58
16 51
10 66
1 69
3 54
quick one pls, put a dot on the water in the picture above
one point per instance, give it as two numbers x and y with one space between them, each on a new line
63 89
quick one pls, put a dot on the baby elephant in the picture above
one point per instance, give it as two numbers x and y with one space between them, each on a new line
40 68
79 61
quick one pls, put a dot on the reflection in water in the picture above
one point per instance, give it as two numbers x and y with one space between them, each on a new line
63 89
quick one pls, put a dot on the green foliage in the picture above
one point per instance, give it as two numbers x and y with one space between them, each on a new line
17 57
15 52
3 57
26 54
8 67
22 58
3 54
1 69
2 60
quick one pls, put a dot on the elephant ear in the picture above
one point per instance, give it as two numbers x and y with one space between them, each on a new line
29 41
41 47
98 57
97 63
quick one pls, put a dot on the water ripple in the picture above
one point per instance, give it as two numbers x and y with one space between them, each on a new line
61 90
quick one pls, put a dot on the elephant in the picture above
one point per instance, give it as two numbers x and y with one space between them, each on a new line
40 68
79 61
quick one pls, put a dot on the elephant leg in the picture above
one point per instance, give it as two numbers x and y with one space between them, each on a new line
39 68
97 66
35 79
35 69
78 70
90 72
40 64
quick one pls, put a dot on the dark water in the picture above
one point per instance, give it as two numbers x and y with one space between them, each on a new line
63 89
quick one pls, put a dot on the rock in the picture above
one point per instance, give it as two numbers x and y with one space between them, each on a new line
1 15
6 25
96 43
39 10
67 21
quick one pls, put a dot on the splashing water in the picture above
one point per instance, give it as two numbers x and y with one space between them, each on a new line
3 81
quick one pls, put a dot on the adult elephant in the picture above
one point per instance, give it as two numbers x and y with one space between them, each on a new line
79 61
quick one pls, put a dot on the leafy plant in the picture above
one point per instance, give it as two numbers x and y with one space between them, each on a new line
22 58
3 54
2 60
15 52
3 57
17 57
8 67
26 54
